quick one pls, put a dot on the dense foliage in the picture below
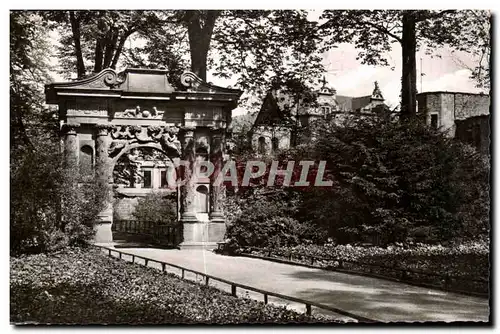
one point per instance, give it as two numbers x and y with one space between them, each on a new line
466 264
157 206
78 286
49 208
267 220
392 182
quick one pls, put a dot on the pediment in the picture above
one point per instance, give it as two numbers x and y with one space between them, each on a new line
140 83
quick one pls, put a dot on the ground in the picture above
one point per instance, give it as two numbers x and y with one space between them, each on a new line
369 297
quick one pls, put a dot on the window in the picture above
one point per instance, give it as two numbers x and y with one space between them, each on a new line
275 143
434 121
262 145
146 179
163 179
86 160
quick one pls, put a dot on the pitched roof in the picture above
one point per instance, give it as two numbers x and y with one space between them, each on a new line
359 103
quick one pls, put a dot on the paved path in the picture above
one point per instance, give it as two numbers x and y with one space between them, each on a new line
373 298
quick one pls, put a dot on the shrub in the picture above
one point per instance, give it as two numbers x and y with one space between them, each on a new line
267 220
87 287
157 206
50 209
390 178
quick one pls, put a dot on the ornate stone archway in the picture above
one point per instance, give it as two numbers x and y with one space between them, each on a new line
112 113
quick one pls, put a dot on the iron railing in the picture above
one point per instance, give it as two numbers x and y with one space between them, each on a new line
206 278
159 232
403 274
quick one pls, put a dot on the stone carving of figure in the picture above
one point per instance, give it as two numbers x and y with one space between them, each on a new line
169 140
135 166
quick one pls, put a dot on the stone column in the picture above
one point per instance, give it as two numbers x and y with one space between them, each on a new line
70 144
103 174
216 157
187 190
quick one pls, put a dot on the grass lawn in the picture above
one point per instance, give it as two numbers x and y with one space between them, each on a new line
84 286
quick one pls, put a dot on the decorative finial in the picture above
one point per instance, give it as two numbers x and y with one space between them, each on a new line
377 94
323 81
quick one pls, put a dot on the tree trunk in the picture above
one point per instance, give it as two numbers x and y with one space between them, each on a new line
409 75
98 55
75 29
110 48
119 49
200 31
199 61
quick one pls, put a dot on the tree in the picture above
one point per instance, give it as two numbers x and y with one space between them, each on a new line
38 181
94 40
200 26
29 70
374 32
258 47
255 45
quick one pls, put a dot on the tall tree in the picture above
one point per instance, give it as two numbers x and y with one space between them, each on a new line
200 26
91 41
258 47
29 70
374 32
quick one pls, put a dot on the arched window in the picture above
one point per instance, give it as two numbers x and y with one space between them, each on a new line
262 145
86 160
275 144
201 199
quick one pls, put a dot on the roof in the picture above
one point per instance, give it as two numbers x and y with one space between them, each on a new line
149 84
447 92
360 102
344 102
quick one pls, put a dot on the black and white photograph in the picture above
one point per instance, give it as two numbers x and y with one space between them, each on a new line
275 167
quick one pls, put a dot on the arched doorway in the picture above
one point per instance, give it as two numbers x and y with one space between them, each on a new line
145 196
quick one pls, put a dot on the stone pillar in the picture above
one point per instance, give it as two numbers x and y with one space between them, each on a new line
216 157
70 144
187 190
103 174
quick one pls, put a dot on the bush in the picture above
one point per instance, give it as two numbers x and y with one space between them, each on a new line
267 220
392 178
157 206
87 287
50 209
468 261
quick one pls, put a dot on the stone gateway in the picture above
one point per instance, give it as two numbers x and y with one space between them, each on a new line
111 115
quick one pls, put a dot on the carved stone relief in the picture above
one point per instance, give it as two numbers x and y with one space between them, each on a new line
93 109
131 134
139 112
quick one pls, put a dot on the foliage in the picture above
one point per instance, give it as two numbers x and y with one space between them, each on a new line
392 182
50 209
157 206
468 261
263 220
78 286
390 178
91 41
29 69
263 47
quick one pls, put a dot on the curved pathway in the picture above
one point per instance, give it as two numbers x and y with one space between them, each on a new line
372 298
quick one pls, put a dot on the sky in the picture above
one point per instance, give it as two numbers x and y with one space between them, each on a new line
349 77
443 71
